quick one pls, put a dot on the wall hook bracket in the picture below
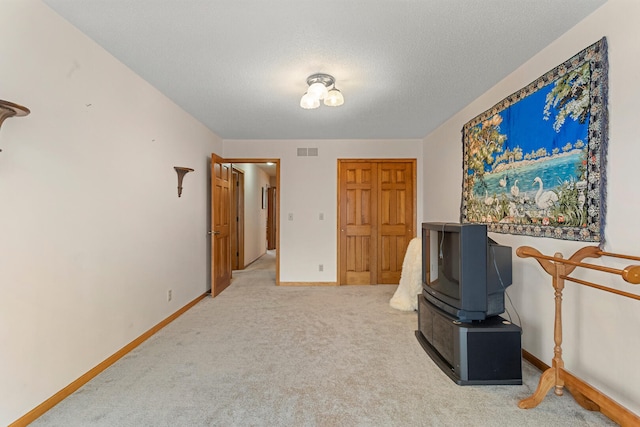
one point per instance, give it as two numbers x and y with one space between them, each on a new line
181 173
9 109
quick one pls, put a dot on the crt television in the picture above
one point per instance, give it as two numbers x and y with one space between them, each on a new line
464 272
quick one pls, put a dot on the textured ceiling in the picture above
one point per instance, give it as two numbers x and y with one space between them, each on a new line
404 66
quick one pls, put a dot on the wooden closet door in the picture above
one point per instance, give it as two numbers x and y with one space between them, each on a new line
395 218
358 212
376 217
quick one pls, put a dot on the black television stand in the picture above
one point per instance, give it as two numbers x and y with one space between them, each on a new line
480 353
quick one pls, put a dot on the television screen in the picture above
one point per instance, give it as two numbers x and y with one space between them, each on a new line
445 264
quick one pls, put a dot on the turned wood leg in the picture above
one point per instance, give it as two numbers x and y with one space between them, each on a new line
547 380
558 363
559 390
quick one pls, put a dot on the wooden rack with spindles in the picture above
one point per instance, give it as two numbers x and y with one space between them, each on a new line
556 376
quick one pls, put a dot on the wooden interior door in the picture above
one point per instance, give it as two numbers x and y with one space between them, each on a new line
271 218
237 219
395 218
376 219
220 225
358 222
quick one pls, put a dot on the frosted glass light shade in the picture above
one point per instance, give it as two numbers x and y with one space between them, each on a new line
309 102
334 98
318 90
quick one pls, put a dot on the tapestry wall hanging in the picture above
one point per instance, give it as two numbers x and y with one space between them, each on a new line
534 164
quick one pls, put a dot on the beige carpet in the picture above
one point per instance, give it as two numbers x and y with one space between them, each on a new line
265 262
261 355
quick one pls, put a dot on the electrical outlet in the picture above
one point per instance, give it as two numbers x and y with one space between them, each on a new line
169 295
320 267
321 216
290 217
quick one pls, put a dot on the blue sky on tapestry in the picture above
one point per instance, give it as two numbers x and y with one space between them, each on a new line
527 130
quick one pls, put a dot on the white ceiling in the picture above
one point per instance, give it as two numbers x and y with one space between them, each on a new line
404 66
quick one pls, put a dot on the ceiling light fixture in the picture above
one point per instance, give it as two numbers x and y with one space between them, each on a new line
321 86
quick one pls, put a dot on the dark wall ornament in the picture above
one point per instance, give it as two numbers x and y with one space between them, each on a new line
9 109
534 164
181 173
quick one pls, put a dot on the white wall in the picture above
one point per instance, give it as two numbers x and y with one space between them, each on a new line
601 340
92 231
255 218
308 187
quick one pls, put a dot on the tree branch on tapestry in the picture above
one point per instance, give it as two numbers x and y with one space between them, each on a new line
570 95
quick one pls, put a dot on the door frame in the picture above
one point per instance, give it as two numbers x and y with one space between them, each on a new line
414 177
277 164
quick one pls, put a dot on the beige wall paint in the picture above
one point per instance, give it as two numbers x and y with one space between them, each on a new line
601 339
92 231
308 188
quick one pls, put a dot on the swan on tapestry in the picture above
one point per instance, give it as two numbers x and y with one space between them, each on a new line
515 190
488 200
544 199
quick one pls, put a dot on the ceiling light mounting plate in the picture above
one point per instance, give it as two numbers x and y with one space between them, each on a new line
325 79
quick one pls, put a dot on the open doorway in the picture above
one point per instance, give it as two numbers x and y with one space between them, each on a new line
255 215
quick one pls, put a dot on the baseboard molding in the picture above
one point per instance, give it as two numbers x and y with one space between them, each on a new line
534 361
308 284
607 406
36 412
